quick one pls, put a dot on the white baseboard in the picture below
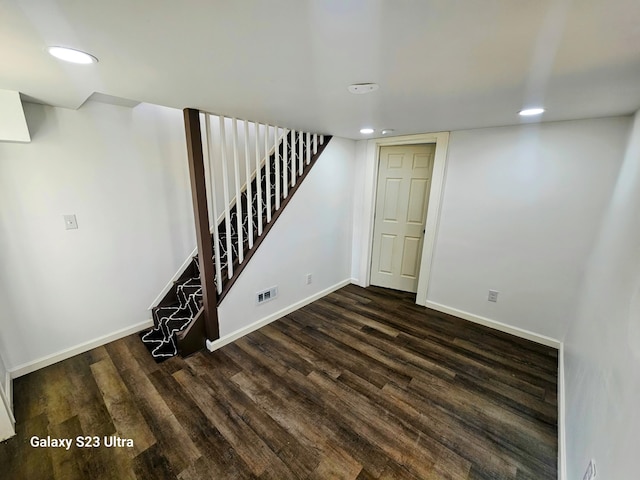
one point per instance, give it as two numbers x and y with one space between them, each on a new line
221 342
43 362
503 327
562 438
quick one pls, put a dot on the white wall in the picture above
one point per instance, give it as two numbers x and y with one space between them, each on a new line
602 346
520 214
124 173
313 235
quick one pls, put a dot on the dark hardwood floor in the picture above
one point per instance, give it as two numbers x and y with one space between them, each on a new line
361 384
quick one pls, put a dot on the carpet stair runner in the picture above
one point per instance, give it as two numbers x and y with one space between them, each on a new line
181 304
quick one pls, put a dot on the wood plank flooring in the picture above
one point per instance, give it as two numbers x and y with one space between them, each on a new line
361 384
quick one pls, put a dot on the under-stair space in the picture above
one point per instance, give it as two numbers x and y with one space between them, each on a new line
266 165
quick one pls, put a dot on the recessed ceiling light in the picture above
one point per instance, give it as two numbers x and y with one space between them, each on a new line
366 131
387 131
72 55
528 112
360 88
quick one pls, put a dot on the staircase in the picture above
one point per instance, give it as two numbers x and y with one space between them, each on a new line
241 226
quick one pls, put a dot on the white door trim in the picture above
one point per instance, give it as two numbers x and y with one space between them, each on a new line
441 141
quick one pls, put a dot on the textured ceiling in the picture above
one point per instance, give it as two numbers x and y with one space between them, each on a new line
441 65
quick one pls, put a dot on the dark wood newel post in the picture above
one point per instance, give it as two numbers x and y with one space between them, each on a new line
201 214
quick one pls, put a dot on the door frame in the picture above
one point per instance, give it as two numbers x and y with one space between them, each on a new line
372 162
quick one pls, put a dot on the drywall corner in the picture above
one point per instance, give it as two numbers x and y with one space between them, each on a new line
13 124
562 438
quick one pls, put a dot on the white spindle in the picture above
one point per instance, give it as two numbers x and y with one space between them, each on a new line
206 160
225 188
258 180
267 171
276 153
315 143
300 153
214 207
308 148
321 139
247 167
293 158
236 174
285 163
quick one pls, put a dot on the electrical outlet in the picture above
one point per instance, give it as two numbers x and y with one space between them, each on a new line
266 295
309 278
493 296
591 470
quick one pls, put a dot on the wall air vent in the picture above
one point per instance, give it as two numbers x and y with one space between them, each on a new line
266 295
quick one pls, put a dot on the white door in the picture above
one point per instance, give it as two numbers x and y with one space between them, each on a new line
404 180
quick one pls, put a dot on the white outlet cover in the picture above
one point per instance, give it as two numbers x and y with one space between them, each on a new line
70 222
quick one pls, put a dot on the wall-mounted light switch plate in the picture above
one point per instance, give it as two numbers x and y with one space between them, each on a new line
493 296
70 222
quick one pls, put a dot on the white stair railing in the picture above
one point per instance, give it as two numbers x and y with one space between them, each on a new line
240 163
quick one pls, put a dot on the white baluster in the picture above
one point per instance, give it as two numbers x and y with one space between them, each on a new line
214 208
258 180
276 153
236 174
321 139
285 163
293 158
308 148
247 167
267 171
315 143
300 153
206 160
225 188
